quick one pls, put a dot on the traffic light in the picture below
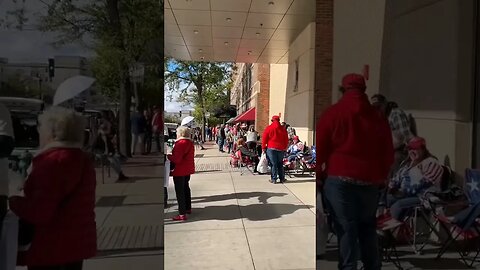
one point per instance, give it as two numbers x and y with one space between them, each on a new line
51 68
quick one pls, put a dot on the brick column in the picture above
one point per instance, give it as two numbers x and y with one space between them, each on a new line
263 98
323 56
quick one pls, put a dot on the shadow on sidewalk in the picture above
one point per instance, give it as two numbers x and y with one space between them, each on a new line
262 197
254 212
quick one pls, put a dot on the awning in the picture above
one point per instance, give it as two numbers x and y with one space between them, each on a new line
249 115
231 120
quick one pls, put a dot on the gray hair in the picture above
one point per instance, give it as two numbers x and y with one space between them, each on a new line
183 131
63 125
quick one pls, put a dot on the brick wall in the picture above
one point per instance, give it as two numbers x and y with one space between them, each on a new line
263 99
323 56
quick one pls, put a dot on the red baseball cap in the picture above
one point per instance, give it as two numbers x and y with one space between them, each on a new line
354 81
417 143
276 118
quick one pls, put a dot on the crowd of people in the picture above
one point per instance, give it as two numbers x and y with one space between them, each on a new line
368 154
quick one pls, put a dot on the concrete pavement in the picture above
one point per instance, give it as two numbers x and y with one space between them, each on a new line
241 221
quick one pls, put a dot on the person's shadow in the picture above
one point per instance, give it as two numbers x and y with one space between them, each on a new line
253 212
262 197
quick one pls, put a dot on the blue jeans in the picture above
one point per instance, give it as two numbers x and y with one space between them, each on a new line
276 159
399 207
220 144
353 208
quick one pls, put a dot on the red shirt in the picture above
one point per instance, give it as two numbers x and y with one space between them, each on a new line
59 201
275 136
353 140
183 156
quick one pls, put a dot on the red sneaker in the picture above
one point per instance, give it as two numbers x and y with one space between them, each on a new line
179 218
189 211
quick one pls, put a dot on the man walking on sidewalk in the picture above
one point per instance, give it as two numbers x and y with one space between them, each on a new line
354 146
157 127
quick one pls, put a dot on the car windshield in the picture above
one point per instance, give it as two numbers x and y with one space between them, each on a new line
25 129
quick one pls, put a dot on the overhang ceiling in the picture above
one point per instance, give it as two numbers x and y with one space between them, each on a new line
242 31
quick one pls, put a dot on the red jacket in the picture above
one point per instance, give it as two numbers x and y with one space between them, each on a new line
353 140
183 156
275 136
59 201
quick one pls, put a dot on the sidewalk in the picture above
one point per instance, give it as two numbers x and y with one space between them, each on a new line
129 218
241 221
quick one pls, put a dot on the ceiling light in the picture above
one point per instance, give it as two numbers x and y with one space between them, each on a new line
200 50
226 43
195 32
228 19
258 34
249 52
271 3
202 58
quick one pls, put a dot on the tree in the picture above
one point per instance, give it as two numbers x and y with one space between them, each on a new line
124 32
199 83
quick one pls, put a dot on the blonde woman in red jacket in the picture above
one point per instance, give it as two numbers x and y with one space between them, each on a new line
59 196
183 158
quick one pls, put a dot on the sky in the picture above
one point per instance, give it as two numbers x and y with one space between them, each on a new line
30 45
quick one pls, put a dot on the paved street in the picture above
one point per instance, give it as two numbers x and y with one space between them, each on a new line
241 221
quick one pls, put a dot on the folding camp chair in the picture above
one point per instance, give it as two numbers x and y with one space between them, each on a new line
464 224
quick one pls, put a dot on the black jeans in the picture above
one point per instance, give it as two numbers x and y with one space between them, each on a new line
184 196
70 266
156 137
148 142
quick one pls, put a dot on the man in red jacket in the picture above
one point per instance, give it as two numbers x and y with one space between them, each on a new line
275 143
354 154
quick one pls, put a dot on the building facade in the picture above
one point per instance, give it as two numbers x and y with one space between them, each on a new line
421 54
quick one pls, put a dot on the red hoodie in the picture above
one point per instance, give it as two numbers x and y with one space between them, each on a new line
354 141
275 136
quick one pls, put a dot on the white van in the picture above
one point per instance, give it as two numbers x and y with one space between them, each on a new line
24 113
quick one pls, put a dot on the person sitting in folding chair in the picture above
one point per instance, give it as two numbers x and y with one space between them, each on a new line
296 147
242 147
417 174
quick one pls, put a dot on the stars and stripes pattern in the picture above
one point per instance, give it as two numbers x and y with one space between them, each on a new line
413 180
472 185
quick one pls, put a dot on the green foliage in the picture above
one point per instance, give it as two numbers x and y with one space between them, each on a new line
203 84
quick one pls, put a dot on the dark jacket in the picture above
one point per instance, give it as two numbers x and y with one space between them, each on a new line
139 123
354 140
